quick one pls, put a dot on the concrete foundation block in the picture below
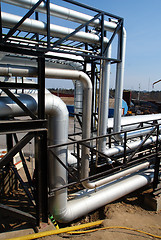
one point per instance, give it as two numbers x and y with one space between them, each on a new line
152 201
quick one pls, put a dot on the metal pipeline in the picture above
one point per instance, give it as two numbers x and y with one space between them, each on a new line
31 25
119 87
130 146
55 73
62 12
85 201
89 200
131 122
104 102
87 98
75 16
32 62
37 26
136 122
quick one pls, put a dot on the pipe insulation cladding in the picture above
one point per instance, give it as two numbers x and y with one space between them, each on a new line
62 12
35 26
114 186
87 200
58 31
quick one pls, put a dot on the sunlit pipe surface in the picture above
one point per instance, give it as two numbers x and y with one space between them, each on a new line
88 200
62 12
61 31
75 16
31 25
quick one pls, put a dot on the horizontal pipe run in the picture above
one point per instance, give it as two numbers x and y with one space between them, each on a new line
131 122
62 12
119 175
31 25
130 146
86 201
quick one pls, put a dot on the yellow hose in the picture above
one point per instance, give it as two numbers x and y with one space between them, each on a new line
57 231
112 227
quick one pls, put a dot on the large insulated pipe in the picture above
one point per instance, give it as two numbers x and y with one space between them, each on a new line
82 18
7 70
67 74
10 70
132 122
32 62
136 122
119 86
104 102
130 146
58 114
87 201
31 25
62 12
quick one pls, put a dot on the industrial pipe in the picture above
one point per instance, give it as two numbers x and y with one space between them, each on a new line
75 16
87 200
31 25
119 86
104 102
7 70
62 12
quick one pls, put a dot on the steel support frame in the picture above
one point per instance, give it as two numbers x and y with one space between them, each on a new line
40 134
154 158
40 51
37 128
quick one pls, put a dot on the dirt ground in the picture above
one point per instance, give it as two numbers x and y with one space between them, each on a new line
129 212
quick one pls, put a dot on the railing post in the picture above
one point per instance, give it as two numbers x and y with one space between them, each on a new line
157 162
125 141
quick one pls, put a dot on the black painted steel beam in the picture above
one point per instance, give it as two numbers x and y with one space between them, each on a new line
41 176
23 185
76 30
15 213
28 176
113 35
41 91
91 8
8 157
22 126
27 15
48 22
12 85
0 24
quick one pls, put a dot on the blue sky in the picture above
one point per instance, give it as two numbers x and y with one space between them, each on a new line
142 20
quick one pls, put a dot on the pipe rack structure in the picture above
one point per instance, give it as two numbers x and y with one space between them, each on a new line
32 47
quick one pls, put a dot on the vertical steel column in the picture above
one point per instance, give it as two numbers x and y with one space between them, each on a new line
41 150
121 38
37 180
0 24
102 34
41 176
93 85
48 22
37 35
41 90
9 141
125 141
